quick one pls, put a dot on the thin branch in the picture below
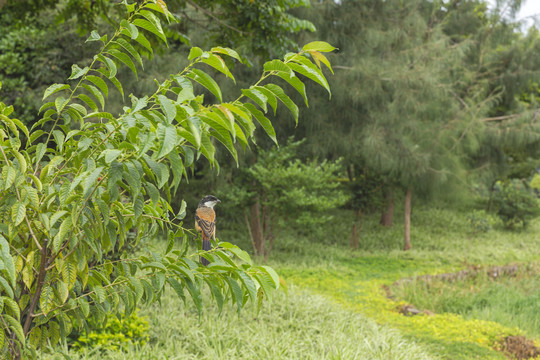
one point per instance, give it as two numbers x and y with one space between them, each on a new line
211 15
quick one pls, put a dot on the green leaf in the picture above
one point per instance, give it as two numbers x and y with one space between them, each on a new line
88 101
83 304
257 96
69 273
151 27
309 70
272 273
124 58
18 212
249 284
91 181
94 36
63 230
217 63
285 99
138 207
169 109
130 49
99 82
13 306
109 63
236 251
167 138
194 53
177 287
226 51
132 31
295 82
100 294
141 39
215 288
263 121
318 57
318 46
270 97
60 102
54 88
77 72
236 292
7 288
195 293
57 215
16 327
46 300
225 139
110 155
9 265
62 291
205 80
278 66
96 93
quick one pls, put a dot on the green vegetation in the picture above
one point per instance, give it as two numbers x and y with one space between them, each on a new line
296 325
434 106
467 323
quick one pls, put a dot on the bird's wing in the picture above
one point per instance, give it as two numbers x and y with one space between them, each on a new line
208 227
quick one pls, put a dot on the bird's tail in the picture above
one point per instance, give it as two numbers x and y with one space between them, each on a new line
206 245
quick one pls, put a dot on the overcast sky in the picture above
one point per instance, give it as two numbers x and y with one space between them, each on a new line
530 7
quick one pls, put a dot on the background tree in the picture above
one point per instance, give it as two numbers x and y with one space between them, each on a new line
281 191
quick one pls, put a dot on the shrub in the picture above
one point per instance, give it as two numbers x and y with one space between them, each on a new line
117 333
480 221
515 202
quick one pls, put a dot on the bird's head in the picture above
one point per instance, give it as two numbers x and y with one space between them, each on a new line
209 201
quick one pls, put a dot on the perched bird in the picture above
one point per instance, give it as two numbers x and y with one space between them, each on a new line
205 222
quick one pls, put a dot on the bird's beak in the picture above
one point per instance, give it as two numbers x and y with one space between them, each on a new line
218 200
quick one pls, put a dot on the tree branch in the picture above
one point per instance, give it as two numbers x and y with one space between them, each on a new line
214 17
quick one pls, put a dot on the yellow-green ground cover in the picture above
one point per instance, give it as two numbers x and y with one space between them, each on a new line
357 281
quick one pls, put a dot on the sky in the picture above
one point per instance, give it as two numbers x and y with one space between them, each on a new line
530 7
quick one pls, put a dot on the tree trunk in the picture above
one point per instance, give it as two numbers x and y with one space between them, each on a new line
356 230
408 198
387 217
256 229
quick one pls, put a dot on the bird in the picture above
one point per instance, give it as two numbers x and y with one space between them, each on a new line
205 222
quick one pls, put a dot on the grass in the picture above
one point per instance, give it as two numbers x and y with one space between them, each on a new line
337 307
299 325
510 301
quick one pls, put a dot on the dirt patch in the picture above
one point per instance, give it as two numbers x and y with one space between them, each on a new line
410 310
493 272
519 348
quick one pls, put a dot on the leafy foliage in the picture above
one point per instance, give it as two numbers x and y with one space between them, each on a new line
83 185
516 203
281 190
115 334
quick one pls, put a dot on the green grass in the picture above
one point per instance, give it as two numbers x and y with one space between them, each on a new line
299 325
442 242
511 301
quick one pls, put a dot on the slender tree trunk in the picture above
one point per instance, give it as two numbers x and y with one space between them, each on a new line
408 198
357 229
256 229
387 217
